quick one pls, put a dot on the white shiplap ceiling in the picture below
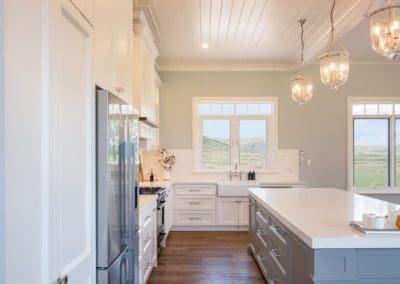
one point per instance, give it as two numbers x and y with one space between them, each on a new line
245 34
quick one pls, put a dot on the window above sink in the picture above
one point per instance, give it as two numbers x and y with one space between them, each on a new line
229 131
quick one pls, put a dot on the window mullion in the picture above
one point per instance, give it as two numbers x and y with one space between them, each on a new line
234 139
392 152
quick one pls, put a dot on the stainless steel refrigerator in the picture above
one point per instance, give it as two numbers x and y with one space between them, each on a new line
117 190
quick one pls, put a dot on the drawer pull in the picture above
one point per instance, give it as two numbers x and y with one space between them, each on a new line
194 218
261 257
276 253
273 281
261 232
194 203
194 190
279 233
261 215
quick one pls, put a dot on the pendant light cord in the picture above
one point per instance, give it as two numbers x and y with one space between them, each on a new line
332 27
301 22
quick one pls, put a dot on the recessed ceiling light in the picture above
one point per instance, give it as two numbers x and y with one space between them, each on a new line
204 45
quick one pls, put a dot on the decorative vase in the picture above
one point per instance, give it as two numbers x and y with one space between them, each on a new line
167 175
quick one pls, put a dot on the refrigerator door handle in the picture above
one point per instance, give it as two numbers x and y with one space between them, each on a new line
122 270
123 194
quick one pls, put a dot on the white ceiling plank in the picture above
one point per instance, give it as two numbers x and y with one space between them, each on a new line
258 33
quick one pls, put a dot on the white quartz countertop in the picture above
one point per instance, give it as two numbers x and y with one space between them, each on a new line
320 216
155 184
146 200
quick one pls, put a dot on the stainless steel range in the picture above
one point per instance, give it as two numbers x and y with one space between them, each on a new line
161 195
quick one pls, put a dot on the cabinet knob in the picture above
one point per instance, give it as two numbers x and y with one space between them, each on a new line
62 280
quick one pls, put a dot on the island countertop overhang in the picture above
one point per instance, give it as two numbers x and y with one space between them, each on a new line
320 216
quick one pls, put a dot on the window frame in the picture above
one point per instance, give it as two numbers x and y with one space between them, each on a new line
272 135
391 188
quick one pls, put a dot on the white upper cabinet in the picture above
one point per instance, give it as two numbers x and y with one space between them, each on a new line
146 79
103 44
113 47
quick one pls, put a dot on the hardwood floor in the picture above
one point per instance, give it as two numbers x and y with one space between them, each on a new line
206 257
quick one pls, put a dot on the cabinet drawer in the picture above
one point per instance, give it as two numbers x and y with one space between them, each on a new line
194 218
194 203
145 267
262 262
262 218
196 189
275 276
262 238
145 238
278 257
145 216
278 232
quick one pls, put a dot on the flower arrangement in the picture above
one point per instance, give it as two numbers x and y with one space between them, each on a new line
166 160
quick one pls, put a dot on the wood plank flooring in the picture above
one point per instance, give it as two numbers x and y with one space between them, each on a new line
206 257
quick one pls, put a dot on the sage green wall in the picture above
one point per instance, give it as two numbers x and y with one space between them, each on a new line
319 127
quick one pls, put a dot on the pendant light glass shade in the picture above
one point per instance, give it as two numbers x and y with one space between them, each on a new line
334 68
385 31
302 86
302 89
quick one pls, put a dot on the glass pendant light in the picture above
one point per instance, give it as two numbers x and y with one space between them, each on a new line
302 86
334 65
385 30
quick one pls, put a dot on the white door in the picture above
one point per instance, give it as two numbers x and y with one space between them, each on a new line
244 213
72 147
227 212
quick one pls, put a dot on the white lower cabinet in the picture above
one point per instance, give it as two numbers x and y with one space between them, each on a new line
244 212
232 211
227 212
194 205
192 218
147 241
169 210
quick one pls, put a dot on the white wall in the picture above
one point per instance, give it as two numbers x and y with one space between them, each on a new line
23 140
2 191
319 128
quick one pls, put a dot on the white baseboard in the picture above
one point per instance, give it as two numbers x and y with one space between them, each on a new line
209 228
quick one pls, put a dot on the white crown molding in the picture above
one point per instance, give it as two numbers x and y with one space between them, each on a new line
142 28
226 67
145 6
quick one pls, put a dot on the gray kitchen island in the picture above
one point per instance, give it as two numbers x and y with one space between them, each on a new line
301 235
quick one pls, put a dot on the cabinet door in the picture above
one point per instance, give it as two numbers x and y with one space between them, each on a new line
147 99
244 213
71 148
122 40
155 237
103 44
227 212
168 210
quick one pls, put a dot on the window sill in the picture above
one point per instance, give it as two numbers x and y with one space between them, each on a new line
367 191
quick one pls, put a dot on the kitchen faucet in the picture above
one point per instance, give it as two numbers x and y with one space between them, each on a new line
235 174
